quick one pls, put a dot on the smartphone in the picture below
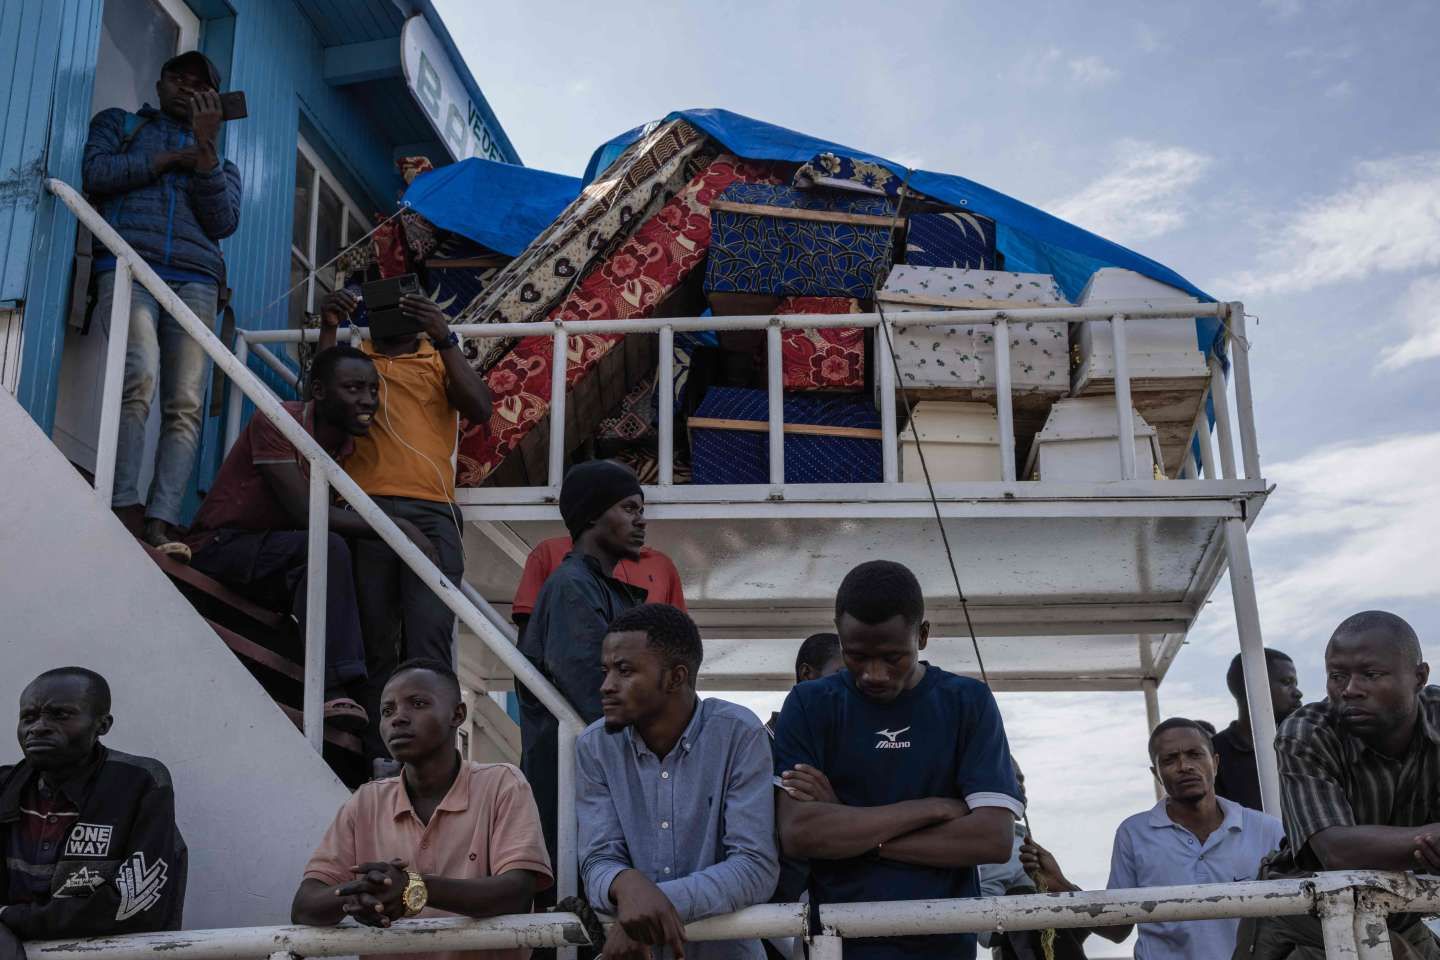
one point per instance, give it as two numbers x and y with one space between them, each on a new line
232 105
382 306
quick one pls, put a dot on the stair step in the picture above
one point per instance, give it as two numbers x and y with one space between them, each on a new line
254 652
338 738
211 587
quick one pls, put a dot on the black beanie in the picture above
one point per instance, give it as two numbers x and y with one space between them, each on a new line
591 488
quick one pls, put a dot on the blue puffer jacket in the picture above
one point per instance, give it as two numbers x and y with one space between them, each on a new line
174 220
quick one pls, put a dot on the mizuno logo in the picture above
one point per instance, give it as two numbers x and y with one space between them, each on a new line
890 742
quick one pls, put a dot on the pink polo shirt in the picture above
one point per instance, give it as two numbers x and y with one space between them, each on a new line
487 824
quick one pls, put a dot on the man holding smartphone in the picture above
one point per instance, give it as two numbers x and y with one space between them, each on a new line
157 178
406 463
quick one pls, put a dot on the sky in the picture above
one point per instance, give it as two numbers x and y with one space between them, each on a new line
1281 152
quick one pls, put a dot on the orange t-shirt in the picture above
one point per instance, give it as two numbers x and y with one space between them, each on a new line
653 572
410 449
487 824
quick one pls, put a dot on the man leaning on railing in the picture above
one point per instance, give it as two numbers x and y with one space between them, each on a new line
88 833
157 178
1360 779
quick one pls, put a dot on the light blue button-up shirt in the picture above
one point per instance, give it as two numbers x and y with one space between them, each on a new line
700 823
1151 850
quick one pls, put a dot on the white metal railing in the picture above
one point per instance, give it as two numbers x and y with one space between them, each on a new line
1180 311
1351 906
325 473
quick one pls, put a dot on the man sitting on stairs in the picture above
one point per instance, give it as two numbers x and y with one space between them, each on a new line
252 530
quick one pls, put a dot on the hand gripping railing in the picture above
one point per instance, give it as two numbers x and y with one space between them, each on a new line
325 473
1352 907
1179 311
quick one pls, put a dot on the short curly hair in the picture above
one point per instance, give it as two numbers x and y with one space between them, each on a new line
667 629
877 590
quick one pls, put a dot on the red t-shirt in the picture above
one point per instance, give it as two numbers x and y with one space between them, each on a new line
240 499
653 572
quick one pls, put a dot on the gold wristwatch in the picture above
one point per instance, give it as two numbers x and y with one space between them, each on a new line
416 894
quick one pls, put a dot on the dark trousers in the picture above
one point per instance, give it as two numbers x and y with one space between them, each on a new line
270 568
400 617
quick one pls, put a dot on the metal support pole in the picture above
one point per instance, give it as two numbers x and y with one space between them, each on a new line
885 375
1372 934
558 359
1152 717
665 397
316 564
1252 656
1222 420
236 402
1337 925
108 443
567 833
827 947
1125 417
1004 403
1202 437
775 384
277 365
1244 401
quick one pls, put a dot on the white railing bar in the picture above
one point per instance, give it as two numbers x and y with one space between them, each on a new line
1124 414
1223 436
505 627
1004 402
1181 311
1337 925
889 435
236 403
108 442
1201 436
317 569
567 829
665 397
276 364
775 386
827 946
269 405
559 365
1372 933
1252 656
1244 401
1255 898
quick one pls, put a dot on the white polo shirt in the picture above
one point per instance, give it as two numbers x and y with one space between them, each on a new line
1151 850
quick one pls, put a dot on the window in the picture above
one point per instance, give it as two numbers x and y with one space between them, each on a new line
325 221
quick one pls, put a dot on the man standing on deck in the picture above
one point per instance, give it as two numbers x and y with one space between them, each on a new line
1238 778
1360 778
1191 836
923 786
88 833
444 838
406 464
604 510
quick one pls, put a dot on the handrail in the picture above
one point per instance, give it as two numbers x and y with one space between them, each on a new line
1362 898
324 474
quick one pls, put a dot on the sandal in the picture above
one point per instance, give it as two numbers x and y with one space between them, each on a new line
342 713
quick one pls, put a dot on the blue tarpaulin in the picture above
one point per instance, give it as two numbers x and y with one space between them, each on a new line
498 205
1032 240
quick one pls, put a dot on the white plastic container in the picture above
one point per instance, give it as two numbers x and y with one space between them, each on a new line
1156 348
961 441
962 357
1079 443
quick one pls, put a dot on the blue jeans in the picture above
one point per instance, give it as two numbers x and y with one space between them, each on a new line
159 349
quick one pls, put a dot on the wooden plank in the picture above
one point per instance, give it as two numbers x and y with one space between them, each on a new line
191 577
793 213
798 429
338 738
254 652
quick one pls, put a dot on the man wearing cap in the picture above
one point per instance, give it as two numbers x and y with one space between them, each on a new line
157 178
604 510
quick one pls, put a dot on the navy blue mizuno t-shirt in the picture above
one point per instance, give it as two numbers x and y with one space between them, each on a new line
944 738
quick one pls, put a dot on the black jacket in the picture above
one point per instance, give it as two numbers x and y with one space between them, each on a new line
124 864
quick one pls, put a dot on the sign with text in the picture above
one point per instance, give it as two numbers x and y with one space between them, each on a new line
444 100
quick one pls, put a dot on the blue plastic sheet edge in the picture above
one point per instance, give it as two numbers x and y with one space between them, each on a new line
498 205
1032 240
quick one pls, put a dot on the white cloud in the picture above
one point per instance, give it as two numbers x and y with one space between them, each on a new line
1341 90
1386 219
1420 310
1091 71
1146 195
1284 9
